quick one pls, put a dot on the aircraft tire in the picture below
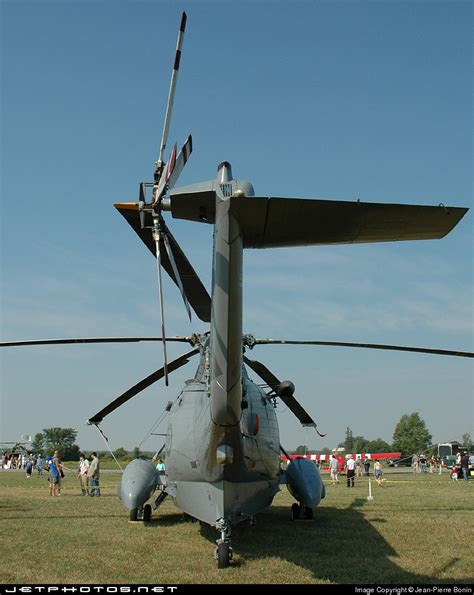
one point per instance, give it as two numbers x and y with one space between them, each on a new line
223 555
134 514
295 511
147 513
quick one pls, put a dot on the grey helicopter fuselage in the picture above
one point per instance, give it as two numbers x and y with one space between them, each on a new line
216 472
223 445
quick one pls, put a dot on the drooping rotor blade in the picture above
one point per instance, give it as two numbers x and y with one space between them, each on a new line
197 295
140 386
92 340
169 105
284 391
176 274
365 346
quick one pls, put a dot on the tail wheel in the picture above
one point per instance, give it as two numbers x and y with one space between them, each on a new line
147 513
224 555
134 514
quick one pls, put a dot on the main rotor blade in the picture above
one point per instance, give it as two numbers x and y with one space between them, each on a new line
93 340
174 78
365 346
290 401
140 386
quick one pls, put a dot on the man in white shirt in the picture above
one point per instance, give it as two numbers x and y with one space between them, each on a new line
350 470
83 476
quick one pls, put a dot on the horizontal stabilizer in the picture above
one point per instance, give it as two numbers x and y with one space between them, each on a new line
278 222
268 222
196 293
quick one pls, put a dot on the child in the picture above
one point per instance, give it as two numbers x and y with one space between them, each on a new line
29 468
378 472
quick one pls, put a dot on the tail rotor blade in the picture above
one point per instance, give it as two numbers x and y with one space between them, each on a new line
140 386
181 161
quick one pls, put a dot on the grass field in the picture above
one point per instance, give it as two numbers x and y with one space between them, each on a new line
415 530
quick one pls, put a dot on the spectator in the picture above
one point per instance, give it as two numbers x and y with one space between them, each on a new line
378 472
350 471
82 474
59 466
334 469
53 476
465 465
94 475
366 465
39 465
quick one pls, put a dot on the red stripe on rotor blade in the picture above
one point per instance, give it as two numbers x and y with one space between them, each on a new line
176 60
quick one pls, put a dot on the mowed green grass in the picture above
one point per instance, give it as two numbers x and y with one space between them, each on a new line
415 530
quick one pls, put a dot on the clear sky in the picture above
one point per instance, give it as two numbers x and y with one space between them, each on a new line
341 100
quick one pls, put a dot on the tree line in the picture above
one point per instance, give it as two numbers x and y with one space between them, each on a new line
409 436
64 440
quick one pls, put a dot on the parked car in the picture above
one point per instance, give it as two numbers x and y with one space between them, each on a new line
399 462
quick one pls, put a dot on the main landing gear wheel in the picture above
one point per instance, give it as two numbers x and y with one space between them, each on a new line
224 555
147 513
307 513
295 511
134 514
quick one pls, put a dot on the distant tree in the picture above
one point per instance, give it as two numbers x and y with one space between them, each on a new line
359 445
378 445
324 451
61 439
467 440
301 450
411 435
38 443
349 441
121 454
136 452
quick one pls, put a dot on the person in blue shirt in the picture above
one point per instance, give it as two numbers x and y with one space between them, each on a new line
54 477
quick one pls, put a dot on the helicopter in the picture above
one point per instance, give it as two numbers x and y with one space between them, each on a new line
222 444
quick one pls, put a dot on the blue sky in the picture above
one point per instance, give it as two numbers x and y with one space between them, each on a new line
340 100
